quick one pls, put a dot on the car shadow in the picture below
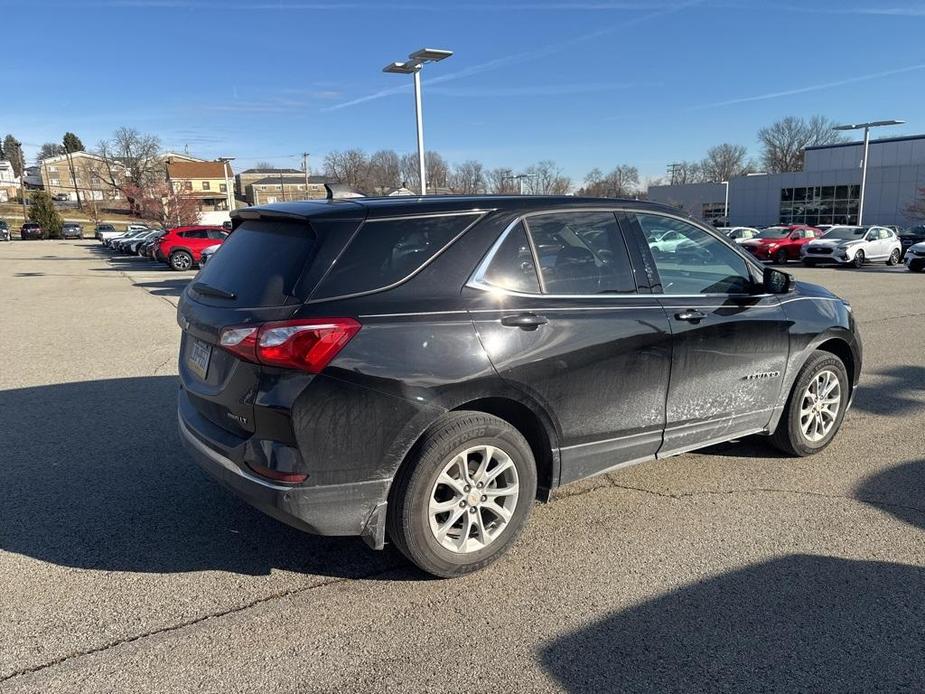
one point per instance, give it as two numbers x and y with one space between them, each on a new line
899 491
900 390
172 287
94 476
798 623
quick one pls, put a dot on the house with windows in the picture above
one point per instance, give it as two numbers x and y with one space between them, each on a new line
243 180
270 189
78 172
208 182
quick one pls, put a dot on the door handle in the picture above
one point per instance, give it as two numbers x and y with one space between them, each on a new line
524 321
691 315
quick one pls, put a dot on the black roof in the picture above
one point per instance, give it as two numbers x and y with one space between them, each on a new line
415 205
271 171
288 180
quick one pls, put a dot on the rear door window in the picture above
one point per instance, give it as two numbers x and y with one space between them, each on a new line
385 252
581 253
512 266
260 263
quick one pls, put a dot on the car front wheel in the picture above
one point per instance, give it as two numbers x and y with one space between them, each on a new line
461 499
858 261
180 260
894 257
816 407
780 258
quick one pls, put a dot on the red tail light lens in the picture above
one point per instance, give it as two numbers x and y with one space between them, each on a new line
304 344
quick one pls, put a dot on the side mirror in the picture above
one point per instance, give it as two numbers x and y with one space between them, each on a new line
795 236
777 282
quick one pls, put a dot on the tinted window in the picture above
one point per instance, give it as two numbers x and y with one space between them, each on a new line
581 253
512 266
385 252
215 234
697 264
260 263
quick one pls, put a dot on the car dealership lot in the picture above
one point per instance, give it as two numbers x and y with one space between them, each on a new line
124 568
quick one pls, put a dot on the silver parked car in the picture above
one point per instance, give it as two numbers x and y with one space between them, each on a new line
853 245
207 254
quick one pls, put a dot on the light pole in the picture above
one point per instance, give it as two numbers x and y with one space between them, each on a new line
413 66
229 193
866 127
520 179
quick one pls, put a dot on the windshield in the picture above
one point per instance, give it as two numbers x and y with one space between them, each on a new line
844 233
773 233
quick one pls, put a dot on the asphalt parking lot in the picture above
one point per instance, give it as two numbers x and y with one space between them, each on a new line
125 569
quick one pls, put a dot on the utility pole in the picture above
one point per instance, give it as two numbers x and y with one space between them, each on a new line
672 172
305 169
22 177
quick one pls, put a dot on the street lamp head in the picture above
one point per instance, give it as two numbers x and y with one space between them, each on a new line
406 68
430 55
226 159
871 124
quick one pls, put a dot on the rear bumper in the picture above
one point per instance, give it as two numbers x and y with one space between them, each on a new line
339 509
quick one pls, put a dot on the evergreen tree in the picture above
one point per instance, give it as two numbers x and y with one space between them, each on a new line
13 150
72 143
42 210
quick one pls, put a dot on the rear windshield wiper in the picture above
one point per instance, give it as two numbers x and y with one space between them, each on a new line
203 288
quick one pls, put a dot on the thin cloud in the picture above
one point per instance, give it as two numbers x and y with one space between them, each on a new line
810 88
521 57
539 90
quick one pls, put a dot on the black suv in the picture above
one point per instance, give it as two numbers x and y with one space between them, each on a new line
422 369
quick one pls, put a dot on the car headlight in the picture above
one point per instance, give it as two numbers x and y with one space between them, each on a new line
772 246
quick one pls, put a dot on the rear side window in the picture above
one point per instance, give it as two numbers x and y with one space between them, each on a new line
260 263
388 251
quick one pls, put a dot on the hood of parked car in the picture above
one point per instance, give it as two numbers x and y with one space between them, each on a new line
766 242
918 248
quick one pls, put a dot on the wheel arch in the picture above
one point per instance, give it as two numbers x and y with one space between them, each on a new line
841 349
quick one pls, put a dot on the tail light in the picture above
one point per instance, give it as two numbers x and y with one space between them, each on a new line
304 344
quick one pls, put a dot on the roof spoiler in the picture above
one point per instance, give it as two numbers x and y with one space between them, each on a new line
341 191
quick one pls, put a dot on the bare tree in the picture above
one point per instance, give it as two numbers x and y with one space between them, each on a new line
438 171
264 165
48 150
546 178
621 182
784 141
501 181
350 167
130 162
384 171
725 161
686 172
468 178
164 204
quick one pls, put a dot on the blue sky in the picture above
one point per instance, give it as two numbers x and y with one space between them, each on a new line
585 83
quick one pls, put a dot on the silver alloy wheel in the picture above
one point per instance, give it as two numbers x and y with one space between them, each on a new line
819 405
182 261
473 499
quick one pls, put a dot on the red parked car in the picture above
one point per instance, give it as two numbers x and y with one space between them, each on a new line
781 243
181 248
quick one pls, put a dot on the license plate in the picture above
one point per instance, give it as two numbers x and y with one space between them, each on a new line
199 356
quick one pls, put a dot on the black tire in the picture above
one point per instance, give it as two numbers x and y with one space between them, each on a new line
180 261
780 257
858 261
788 437
894 257
916 267
408 522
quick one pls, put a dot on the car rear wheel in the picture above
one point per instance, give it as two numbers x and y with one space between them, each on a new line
461 499
780 257
816 406
894 257
858 261
180 260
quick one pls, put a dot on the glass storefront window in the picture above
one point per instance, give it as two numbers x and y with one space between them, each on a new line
819 205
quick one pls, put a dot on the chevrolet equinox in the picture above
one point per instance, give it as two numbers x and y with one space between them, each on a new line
420 370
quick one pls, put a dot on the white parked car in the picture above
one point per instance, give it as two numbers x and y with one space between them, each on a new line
740 234
666 241
853 245
915 257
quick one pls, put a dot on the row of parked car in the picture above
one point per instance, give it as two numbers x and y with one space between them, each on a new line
839 244
180 248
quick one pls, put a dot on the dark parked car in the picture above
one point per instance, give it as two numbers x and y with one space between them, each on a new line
4 230
31 230
911 236
71 230
422 369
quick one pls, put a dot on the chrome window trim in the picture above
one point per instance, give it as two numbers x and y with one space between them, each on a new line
477 279
478 214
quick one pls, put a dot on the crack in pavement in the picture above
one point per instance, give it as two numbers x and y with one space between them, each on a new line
192 622
765 490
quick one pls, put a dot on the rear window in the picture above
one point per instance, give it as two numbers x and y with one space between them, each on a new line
260 263
387 251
